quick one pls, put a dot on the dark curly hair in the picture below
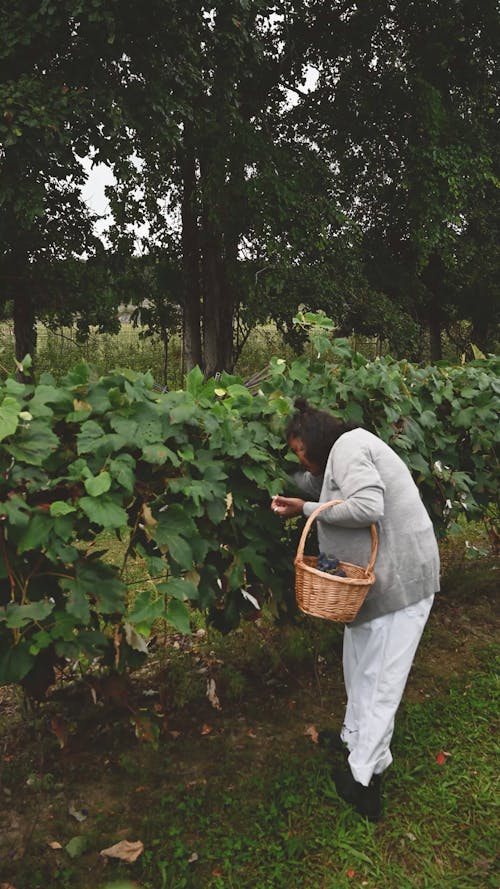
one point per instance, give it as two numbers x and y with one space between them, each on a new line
317 429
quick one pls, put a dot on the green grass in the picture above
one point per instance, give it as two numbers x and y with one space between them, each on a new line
58 351
284 827
235 810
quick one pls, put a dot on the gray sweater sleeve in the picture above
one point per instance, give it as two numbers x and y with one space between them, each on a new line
309 484
353 473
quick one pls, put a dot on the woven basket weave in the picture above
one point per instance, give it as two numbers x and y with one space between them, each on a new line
324 595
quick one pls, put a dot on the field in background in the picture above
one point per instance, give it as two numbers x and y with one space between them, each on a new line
58 351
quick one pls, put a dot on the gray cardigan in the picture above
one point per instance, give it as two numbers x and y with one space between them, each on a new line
378 489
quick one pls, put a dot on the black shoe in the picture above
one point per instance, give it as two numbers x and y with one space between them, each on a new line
331 740
366 800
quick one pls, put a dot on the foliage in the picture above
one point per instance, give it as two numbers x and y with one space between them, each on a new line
184 479
411 102
190 473
57 66
270 155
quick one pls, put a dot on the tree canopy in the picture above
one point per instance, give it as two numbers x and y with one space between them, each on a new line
342 156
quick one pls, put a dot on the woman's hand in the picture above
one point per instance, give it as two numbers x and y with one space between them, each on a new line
287 507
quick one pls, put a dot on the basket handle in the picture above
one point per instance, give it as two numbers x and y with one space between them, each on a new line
321 508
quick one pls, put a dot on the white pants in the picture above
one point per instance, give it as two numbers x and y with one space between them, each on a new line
377 659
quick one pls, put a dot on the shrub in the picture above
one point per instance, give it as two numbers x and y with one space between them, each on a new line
184 479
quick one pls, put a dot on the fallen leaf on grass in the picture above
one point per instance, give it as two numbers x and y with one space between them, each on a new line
76 846
193 857
212 694
54 845
217 872
73 811
350 872
124 850
441 757
145 729
60 730
312 733
250 733
7 886
206 729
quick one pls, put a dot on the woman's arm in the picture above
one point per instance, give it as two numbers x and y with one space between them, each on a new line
309 484
361 488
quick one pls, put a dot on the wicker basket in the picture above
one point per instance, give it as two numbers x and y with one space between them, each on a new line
324 595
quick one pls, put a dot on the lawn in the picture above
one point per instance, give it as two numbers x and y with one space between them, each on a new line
233 792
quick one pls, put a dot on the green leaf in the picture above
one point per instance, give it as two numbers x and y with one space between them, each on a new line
103 587
16 510
256 474
181 551
9 416
465 417
98 484
159 454
172 521
104 511
76 846
16 616
216 510
179 587
178 616
195 381
122 470
77 604
182 413
416 461
354 413
33 444
60 507
15 663
145 611
299 371
36 534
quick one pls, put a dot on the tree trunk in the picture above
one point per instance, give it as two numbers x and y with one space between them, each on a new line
24 332
436 346
165 339
480 334
192 352
434 278
218 292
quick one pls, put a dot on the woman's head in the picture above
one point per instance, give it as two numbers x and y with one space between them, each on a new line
311 434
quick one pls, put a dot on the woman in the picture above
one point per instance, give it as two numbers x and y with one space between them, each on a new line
344 462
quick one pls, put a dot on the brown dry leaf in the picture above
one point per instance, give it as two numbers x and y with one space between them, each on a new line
7 886
206 729
81 405
60 730
124 850
149 519
54 845
312 732
212 694
250 733
229 505
174 735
